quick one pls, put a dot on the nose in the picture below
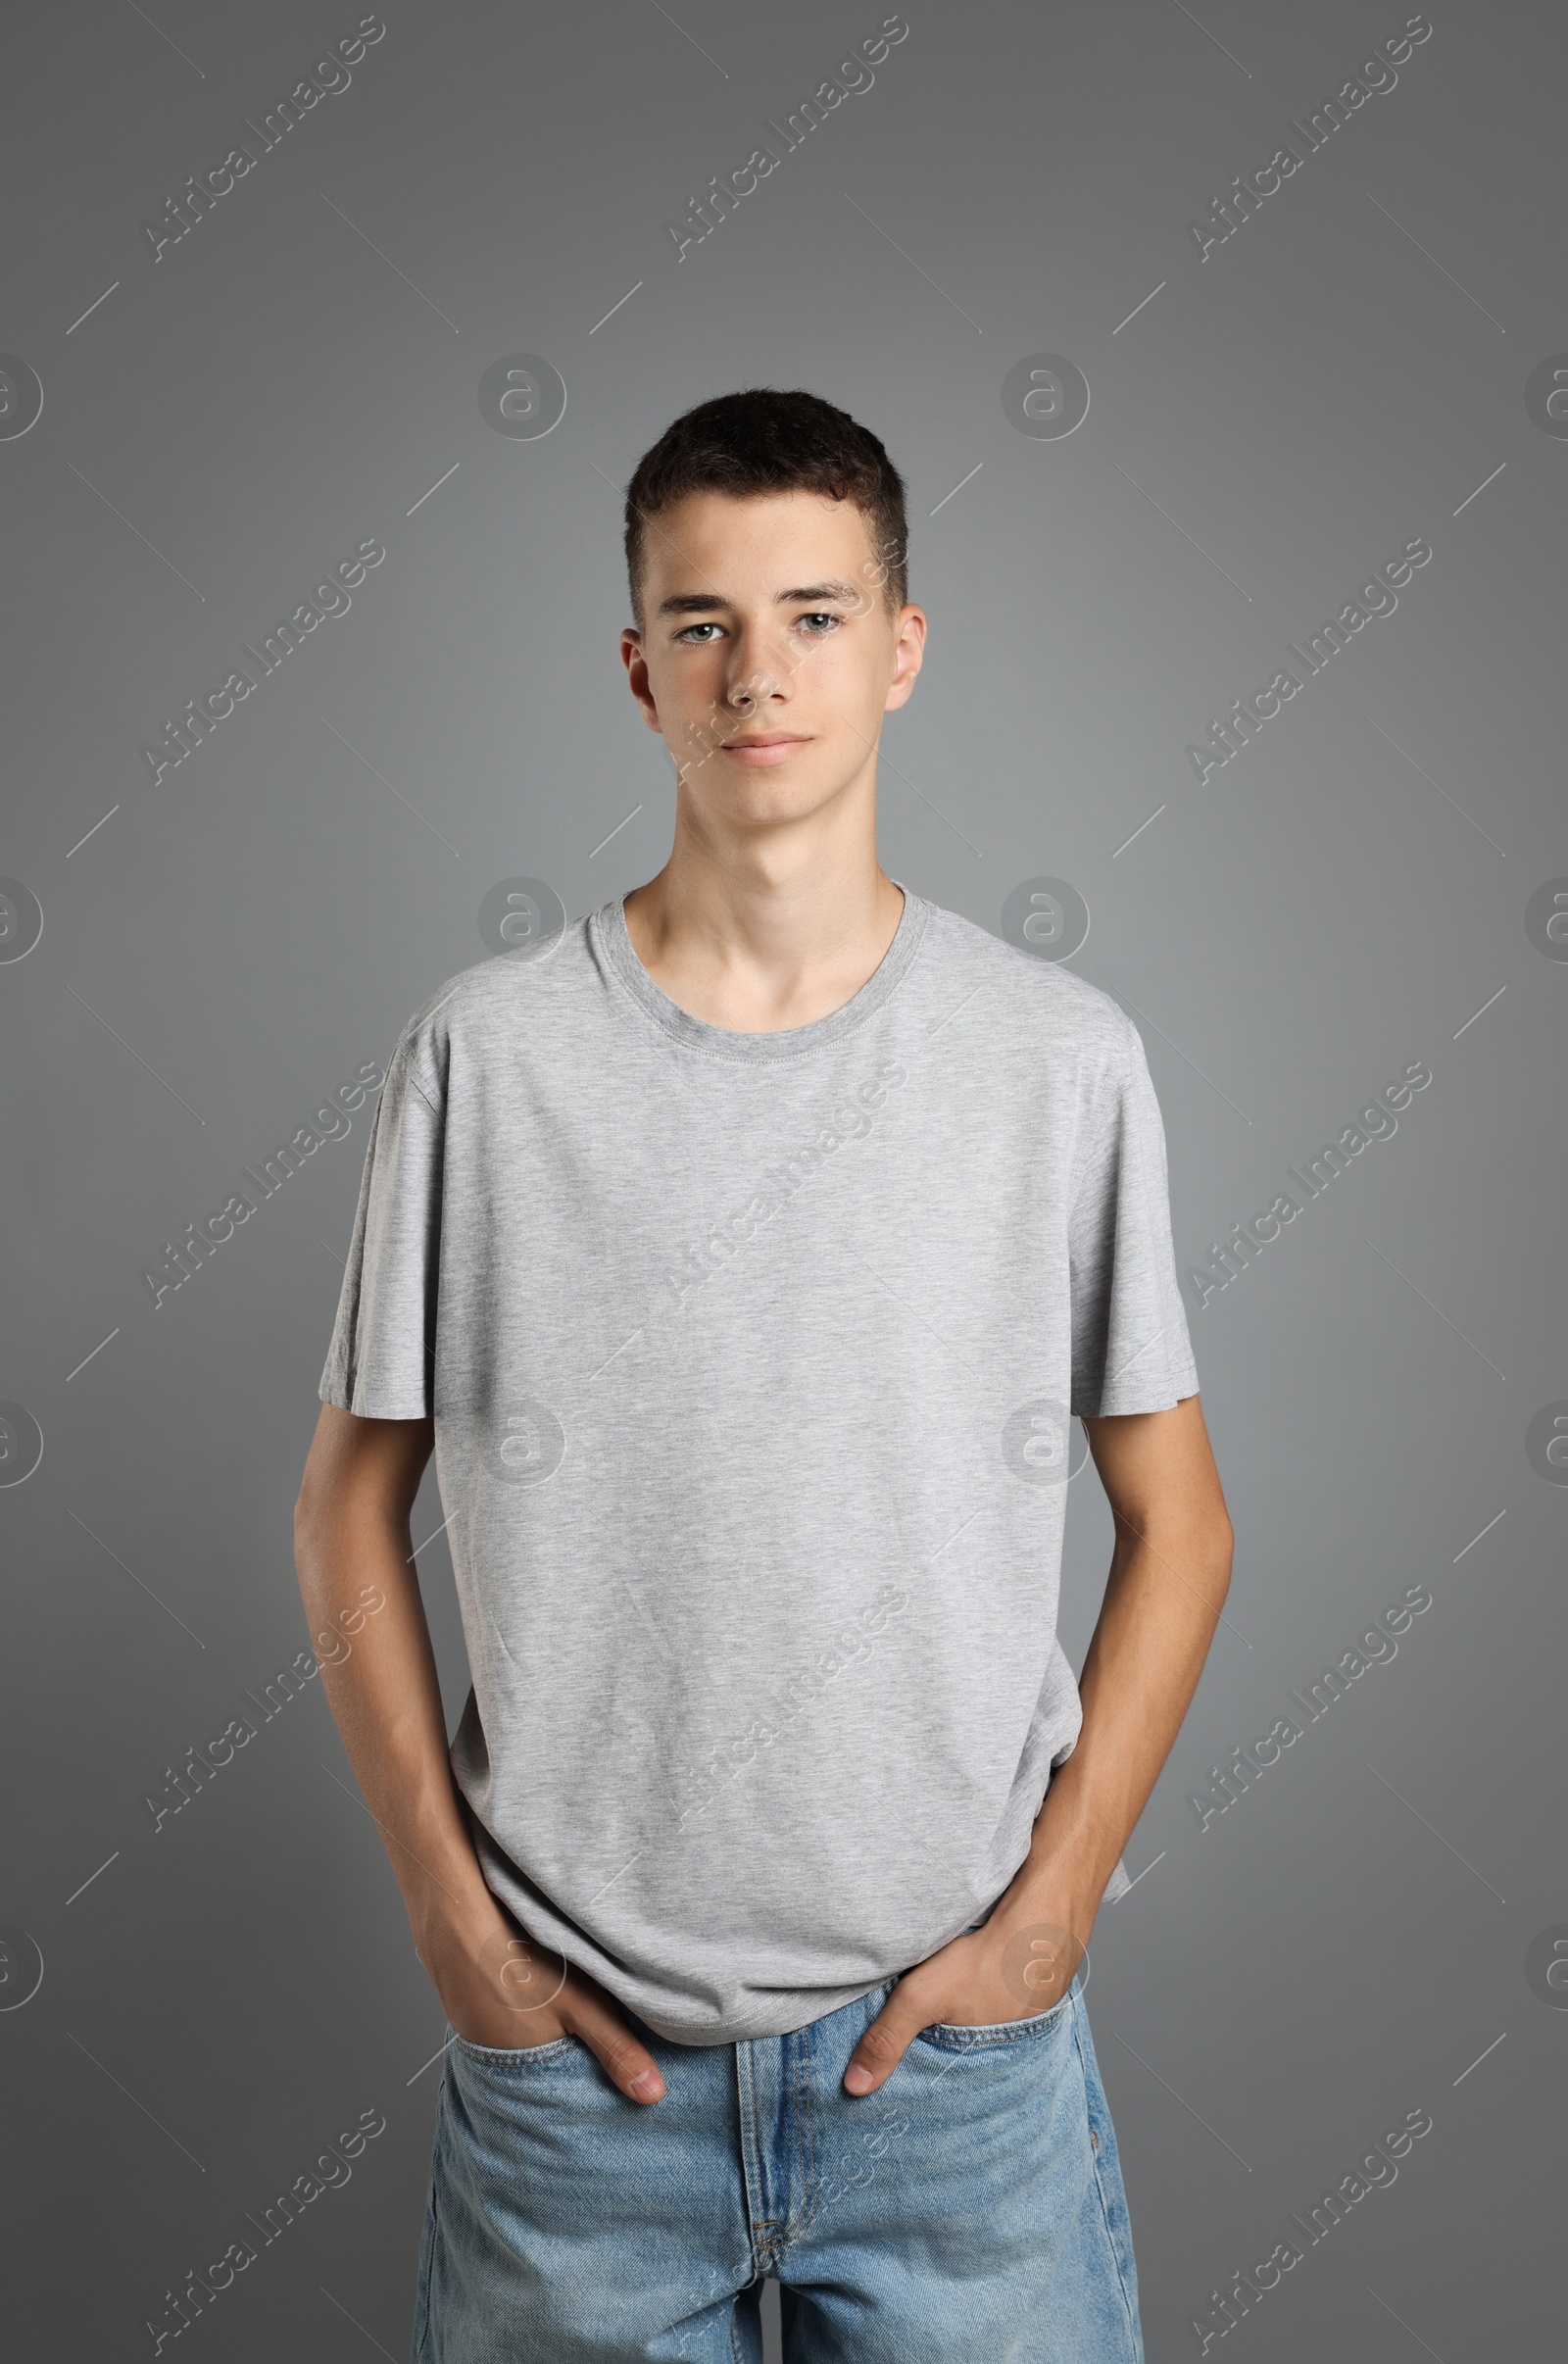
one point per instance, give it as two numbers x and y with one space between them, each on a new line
758 673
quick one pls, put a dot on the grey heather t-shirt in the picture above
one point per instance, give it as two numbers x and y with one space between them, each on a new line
753 1359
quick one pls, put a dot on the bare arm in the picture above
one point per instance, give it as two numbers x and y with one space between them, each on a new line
1169 1574
351 1531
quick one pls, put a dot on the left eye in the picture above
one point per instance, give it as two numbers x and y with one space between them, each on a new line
820 618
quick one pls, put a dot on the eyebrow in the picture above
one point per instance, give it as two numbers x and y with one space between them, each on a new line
690 603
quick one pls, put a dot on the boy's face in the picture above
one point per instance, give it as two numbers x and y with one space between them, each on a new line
768 656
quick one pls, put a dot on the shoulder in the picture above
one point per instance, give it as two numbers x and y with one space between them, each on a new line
1036 995
481 1004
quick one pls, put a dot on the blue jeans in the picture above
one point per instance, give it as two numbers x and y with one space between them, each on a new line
971 2208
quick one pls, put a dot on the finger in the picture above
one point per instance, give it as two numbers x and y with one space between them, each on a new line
885 2043
628 2065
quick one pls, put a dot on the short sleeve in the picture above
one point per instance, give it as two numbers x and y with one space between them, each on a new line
1129 1347
382 1356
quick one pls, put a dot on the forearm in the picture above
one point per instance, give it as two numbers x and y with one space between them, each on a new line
1162 1601
356 1568
385 1698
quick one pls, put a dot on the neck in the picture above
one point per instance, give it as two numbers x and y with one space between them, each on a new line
767 929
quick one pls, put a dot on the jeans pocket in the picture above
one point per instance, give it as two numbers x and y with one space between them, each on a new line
954 2035
522 2056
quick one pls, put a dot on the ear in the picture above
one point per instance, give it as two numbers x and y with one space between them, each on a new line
636 664
908 655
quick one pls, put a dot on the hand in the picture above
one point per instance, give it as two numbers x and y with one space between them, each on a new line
1015 1967
486 1973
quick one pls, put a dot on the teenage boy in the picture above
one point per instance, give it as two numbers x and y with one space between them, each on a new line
744 1254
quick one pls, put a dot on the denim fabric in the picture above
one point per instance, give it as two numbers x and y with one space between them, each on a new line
972 2208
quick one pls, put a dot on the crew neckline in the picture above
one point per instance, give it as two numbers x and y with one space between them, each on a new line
611 938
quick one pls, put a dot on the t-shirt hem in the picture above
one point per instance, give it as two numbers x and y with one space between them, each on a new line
342 1399
1124 1402
750 2027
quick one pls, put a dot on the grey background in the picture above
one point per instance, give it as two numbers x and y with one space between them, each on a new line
220 1999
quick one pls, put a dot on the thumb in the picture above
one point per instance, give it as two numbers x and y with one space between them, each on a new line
886 2040
628 2064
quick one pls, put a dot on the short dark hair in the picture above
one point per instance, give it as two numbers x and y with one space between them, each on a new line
768 439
